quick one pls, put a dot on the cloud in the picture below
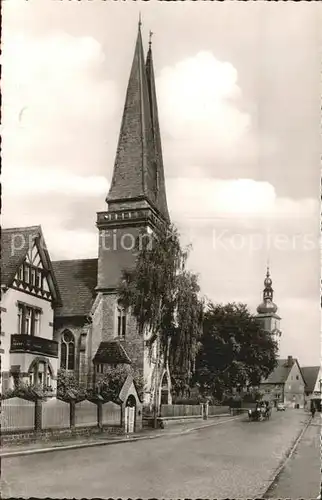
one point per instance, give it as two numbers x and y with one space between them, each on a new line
200 111
39 181
56 100
211 199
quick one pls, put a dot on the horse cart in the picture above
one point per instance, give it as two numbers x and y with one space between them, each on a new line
261 412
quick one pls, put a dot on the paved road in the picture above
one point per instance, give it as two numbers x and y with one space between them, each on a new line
301 477
235 459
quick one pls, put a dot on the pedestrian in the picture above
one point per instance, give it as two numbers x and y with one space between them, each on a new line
313 410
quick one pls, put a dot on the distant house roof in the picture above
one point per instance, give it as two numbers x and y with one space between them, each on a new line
281 372
77 280
15 244
310 374
111 353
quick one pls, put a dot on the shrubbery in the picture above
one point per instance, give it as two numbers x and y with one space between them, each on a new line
30 392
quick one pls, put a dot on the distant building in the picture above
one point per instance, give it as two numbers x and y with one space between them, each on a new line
29 294
285 384
267 311
313 384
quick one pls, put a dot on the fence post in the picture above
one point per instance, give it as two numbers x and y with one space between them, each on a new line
72 408
38 415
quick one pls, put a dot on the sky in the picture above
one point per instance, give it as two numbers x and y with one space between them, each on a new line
239 107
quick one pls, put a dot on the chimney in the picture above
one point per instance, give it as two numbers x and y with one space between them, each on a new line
289 361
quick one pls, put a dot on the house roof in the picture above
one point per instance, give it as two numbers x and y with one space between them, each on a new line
111 352
280 374
310 374
77 280
15 244
14 247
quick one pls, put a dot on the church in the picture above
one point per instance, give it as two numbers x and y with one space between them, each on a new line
87 328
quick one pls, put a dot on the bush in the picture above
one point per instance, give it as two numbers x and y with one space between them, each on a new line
110 385
69 389
29 392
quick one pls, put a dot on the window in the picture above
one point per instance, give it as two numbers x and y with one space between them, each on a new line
100 368
40 374
297 377
39 279
67 351
26 273
28 319
33 276
121 321
20 273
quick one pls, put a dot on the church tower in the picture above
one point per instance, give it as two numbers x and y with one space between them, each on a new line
267 310
136 202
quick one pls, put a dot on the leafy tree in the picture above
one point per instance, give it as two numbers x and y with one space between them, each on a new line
163 298
235 350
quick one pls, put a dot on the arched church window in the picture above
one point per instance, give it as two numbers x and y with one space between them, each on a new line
67 351
121 321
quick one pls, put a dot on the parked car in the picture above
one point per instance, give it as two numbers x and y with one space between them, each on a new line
280 407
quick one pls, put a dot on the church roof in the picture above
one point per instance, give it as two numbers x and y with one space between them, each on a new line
138 169
310 374
15 244
77 280
280 374
112 353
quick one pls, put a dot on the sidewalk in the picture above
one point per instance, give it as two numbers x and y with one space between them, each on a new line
301 476
105 439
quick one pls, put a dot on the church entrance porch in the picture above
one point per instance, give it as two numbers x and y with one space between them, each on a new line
130 410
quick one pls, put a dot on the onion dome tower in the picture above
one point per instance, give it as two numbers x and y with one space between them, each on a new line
267 310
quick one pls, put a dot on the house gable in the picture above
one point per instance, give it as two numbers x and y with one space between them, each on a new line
295 381
32 276
26 265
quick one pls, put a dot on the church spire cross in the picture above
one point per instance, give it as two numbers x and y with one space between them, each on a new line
140 21
150 38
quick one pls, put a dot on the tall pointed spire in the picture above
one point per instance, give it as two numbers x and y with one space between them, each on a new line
161 192
138 176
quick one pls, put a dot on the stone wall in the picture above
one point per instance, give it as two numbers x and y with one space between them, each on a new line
58 434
